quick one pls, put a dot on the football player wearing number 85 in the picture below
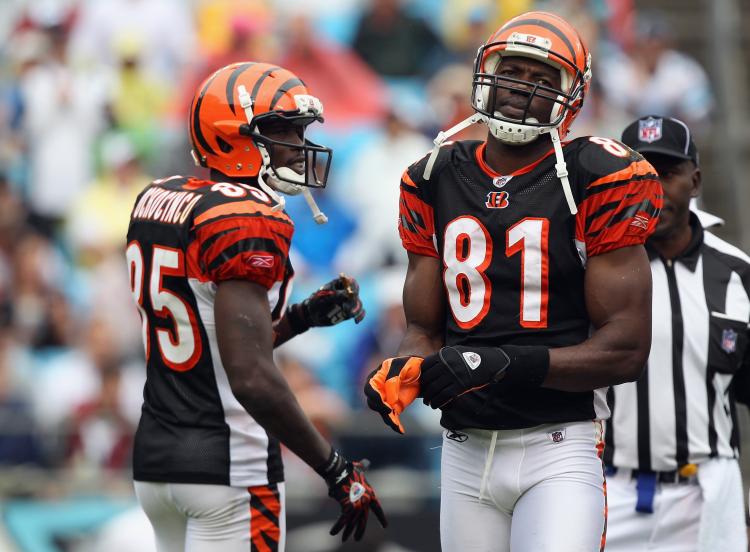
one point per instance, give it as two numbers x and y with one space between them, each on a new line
210 275
528 293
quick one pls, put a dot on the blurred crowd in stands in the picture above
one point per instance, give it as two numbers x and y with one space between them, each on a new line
93 103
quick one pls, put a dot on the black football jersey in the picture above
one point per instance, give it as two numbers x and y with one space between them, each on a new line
185 237
514 258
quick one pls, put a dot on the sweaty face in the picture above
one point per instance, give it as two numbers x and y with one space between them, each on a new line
512 101
680 180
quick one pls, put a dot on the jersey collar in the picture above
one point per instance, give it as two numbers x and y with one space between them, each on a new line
489 171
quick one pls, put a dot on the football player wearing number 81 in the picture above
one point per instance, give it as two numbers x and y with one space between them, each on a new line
527 294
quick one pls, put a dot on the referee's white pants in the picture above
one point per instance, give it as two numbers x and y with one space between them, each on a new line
539 489
214 518
681 521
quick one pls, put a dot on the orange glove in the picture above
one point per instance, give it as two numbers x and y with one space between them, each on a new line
393 386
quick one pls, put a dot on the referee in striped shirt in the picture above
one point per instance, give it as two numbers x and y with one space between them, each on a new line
672 442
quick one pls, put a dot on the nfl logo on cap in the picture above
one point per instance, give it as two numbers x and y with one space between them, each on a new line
649 129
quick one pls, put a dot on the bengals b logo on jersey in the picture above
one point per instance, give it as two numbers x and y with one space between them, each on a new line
497 200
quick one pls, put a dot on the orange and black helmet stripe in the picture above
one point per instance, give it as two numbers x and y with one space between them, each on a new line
231 82
546 25
216 119
196 126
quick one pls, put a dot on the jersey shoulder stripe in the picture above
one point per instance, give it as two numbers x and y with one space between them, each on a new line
246 207
235 234
636 170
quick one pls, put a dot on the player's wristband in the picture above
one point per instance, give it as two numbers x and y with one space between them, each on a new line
528 365
332 466
297 320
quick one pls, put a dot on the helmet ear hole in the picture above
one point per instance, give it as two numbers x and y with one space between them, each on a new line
224 146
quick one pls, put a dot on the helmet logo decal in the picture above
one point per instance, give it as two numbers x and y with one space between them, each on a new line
521 38
649 129
497 200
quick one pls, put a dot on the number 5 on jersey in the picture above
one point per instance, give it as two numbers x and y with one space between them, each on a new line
467 253
180 347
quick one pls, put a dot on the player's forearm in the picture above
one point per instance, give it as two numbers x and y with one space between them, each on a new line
615 354
270 401
418 341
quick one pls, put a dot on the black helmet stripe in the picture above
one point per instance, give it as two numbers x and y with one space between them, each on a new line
232 79
547 26
284 88
197 134
263 77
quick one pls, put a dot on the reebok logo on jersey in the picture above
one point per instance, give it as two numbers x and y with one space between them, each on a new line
640 221
497 200
356 492
261 261
472 359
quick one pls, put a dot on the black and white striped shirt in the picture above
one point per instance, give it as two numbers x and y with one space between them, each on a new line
682 409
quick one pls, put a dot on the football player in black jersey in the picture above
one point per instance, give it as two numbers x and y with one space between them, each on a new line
210 275
528 292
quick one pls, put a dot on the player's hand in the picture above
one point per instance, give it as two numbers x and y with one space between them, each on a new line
457 370
348 486
334 302
393 386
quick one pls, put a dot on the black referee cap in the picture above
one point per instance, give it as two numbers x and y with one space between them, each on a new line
664 135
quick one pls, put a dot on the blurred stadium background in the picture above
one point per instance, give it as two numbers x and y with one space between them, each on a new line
93 100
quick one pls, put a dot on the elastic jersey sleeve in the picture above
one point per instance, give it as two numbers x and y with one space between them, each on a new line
416 223
242 240
621 207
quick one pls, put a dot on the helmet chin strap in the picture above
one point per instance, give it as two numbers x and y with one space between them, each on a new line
515 134
444 135
280 201
562 171
275 184
318 215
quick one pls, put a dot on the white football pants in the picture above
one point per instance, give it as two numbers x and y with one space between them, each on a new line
539 489
214 518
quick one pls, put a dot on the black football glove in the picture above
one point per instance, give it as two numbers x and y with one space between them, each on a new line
457 370
348 486
334 302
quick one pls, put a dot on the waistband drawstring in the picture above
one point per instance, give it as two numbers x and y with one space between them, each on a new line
488 465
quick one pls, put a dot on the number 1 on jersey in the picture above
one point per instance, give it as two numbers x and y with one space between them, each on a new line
467 252
530 237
